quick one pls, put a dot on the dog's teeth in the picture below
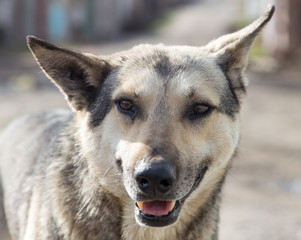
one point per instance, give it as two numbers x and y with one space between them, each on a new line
140 205
172 205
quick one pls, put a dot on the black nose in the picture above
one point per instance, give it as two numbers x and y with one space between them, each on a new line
156 178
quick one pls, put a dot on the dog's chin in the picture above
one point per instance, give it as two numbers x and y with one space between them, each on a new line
157 213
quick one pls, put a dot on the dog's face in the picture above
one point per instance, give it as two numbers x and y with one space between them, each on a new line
174 121
161 120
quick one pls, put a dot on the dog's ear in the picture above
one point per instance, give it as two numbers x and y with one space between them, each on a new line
77 75
231 51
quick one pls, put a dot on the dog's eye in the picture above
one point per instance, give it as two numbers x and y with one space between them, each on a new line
126 107
198 110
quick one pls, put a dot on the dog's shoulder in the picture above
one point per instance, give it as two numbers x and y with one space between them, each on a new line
29 134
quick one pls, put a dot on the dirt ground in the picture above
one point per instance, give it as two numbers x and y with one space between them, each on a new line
262 195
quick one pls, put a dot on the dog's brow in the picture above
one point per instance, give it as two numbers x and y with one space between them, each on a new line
191 93
137 94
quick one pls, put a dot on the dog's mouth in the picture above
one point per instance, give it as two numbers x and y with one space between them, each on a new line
156 208
158 213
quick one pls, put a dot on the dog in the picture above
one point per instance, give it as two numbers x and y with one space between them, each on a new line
145 151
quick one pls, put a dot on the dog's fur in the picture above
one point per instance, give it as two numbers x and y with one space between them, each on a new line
74 175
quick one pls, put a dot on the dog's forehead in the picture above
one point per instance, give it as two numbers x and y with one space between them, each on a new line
184 71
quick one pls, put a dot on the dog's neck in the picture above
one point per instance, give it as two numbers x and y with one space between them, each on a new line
87 209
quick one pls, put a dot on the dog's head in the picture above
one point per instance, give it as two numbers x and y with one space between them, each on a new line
162 120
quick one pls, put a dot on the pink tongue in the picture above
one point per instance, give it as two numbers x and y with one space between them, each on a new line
157 208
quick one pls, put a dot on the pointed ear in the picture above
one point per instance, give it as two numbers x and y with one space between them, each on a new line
77 75
231 51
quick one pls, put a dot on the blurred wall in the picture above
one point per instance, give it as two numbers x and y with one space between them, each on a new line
282 36
88 20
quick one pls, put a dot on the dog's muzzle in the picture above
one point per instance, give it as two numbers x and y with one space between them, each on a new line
156 182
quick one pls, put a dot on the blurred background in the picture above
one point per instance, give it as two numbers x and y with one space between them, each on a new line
262 196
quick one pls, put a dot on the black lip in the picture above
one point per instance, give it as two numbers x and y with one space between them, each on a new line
171 217
197 181
159 221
